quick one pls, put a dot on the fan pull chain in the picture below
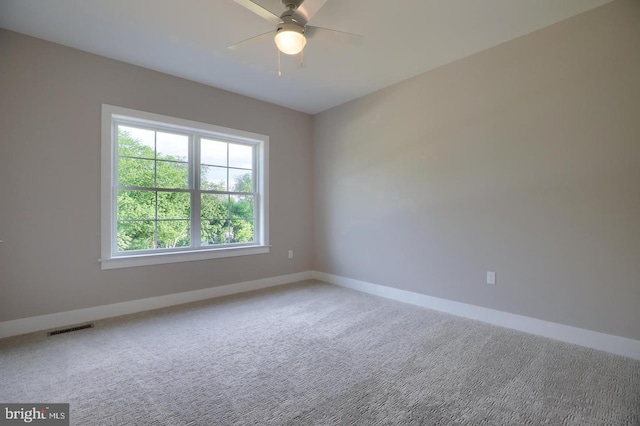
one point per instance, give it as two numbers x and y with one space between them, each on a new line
302 58
279 72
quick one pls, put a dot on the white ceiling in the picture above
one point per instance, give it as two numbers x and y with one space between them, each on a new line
189 39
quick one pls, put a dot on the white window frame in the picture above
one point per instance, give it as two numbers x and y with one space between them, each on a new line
110 258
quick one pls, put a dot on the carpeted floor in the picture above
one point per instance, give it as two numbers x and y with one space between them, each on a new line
316 354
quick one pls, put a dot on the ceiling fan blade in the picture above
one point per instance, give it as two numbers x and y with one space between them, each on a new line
309 8
319 33
260 11
255 39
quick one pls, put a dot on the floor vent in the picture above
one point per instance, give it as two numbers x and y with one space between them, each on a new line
70 329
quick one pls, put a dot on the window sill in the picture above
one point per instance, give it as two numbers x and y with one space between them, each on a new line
185 256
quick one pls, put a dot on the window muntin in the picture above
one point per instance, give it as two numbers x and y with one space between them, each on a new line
181 189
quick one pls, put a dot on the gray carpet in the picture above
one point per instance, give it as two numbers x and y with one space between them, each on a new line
316 354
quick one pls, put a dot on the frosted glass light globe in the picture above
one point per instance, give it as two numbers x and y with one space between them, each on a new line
290 42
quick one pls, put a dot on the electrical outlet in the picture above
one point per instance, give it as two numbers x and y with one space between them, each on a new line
290 254
491 277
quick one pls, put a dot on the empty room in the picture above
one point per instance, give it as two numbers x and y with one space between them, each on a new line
320 212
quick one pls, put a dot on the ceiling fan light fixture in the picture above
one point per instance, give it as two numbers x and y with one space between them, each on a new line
290 39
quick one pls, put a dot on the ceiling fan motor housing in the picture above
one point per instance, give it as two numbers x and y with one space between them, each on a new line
297 28
290 23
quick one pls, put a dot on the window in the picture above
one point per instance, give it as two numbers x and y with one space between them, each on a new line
175 190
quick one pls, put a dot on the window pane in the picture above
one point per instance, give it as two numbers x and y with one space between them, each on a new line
136 205
135 235
134 172
213 152
240 180
215 231
172 175
242 206
173 233
170 146
135 142
174 205
213 178
241 231
214 206
241 156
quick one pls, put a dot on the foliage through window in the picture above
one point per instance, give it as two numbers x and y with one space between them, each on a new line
177 188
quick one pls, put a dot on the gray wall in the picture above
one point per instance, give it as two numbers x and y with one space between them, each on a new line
523 159
50 98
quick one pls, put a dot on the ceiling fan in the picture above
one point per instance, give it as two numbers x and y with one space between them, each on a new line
292 31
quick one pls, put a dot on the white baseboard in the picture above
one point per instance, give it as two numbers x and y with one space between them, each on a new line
62 319
591 339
